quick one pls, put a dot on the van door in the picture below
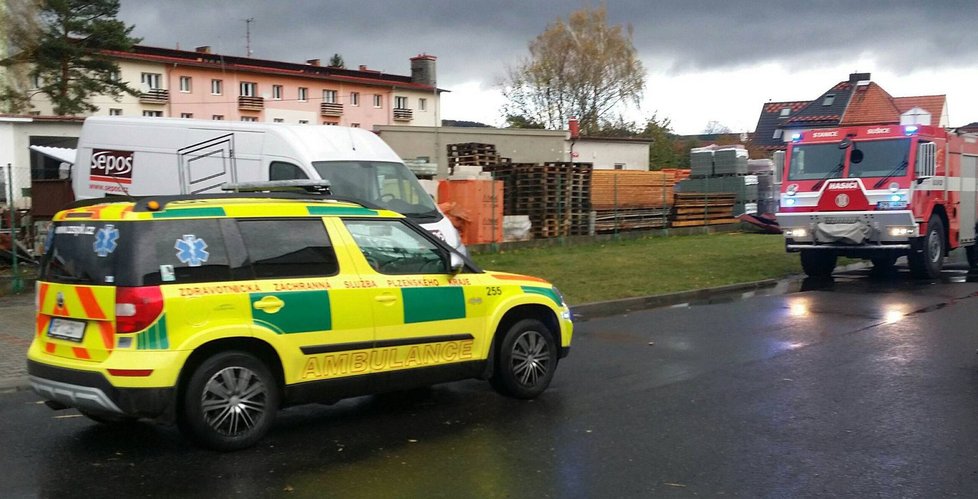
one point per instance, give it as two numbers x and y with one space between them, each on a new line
207 164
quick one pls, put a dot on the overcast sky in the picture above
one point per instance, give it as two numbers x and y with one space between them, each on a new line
706 59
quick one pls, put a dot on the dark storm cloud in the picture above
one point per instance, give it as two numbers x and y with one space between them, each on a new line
476 40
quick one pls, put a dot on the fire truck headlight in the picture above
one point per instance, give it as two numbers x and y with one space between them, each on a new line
796 233
902 231
894 187
788 202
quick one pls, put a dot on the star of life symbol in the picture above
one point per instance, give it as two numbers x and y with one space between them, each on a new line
191 250
105 240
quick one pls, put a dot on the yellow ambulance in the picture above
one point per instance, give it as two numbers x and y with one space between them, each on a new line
213 311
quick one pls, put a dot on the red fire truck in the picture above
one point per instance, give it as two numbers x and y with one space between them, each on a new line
878 193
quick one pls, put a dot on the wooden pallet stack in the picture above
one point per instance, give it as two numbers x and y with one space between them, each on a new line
631 199
556 196
694 209
472 154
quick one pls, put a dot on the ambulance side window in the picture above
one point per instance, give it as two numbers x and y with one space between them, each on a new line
284 248
391 247
280 170
181 251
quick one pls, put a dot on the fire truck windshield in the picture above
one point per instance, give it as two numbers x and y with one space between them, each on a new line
814 162
881 158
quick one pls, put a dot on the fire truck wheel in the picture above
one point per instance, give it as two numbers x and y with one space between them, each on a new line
972 253
884 262
817 263
927 263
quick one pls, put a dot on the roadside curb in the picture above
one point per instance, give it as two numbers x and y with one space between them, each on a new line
613 307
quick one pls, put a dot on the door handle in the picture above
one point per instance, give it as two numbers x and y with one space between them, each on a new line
386 298
269 304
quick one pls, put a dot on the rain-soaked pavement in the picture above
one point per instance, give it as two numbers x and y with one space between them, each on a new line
866 385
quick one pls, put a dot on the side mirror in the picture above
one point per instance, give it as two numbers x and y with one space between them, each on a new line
457 263
856 156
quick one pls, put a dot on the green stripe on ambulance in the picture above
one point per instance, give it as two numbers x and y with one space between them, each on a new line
301 312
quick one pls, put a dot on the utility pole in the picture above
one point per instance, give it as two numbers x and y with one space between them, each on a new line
248 36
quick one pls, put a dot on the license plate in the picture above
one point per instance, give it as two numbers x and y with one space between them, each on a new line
65 329
891 205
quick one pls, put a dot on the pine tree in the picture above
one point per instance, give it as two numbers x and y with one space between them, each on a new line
69 56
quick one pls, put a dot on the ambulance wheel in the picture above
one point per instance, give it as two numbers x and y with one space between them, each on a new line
818 263
526 360
972 253
229 402
927 264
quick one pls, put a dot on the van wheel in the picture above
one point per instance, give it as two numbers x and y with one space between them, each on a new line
927 264
229 402
526 361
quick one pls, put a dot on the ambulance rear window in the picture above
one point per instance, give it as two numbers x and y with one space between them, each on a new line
85 253
135 253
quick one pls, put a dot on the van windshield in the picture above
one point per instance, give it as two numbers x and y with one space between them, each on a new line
388 185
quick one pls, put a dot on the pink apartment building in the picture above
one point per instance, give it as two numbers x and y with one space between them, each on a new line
203 85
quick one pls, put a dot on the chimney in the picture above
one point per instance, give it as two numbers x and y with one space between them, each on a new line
203 49
313 62
363 67
423 70
858 77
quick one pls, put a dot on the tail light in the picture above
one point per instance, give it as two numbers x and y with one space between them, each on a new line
137 308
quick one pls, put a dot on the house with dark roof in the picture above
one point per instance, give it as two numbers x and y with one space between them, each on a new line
856 101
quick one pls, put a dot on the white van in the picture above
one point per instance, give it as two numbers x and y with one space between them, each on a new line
152 156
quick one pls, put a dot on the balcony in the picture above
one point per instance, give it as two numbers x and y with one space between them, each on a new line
403 114
246 103
331 109
155 96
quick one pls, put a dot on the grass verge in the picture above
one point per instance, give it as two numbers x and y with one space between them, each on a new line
610 270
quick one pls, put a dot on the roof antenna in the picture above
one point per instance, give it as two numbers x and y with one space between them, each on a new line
248 36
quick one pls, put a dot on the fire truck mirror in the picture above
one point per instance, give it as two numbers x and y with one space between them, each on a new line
856 156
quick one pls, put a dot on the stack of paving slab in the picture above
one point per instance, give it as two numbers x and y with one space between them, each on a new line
767 189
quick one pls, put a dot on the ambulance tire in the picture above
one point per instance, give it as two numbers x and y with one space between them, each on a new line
928 263
818 263
229 402
526 360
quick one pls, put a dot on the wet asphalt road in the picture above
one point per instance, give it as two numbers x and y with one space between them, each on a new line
863 387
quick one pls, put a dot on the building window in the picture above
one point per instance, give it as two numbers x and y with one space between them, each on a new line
35 82
114 111
354 125
400 103
378 101
185 84
303 122
152 80
785 112
619 166
187 115
354 98
330 123
249 89
329 96
422 104
217 87
251 119
777 133
829 99
153 114
218 117
303 94
277 92
278 120
115 76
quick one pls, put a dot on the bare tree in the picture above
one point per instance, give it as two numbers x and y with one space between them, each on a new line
583 68
716 128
